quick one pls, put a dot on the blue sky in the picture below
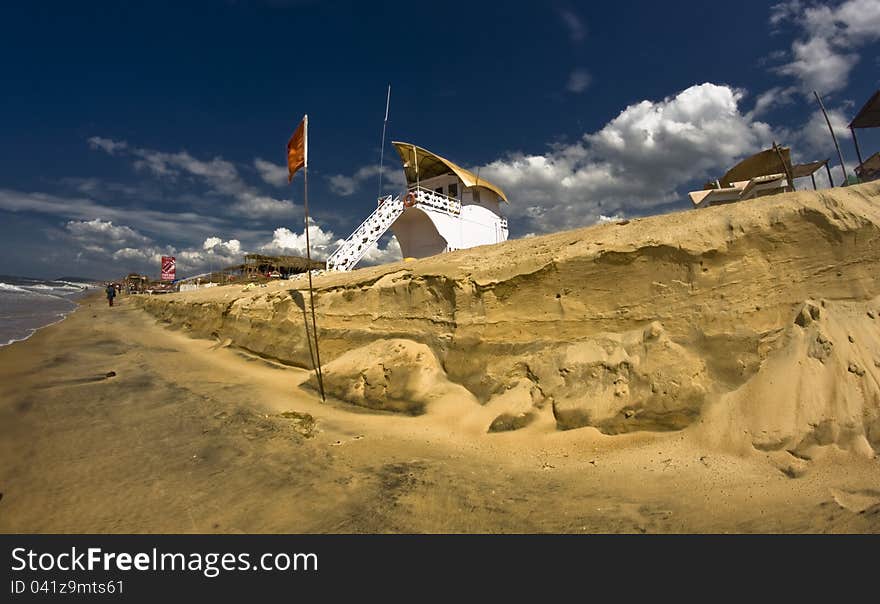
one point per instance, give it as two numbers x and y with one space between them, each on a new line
136 129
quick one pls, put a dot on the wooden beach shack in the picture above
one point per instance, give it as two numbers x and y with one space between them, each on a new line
262 266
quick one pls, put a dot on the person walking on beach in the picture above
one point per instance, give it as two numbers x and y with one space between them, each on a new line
111 293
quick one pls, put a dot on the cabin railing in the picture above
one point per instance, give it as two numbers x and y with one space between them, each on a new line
435 200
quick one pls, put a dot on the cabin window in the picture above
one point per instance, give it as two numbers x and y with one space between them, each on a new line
439 190
453 190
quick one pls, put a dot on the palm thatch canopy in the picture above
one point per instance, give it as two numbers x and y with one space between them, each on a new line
285 264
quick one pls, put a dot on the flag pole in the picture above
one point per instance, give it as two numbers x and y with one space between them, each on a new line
318 373
308 268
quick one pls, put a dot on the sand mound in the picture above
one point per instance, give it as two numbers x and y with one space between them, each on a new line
654 324
820 387
636 380
392 375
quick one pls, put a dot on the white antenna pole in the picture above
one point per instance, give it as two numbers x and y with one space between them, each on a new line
382 148
834 138
416 159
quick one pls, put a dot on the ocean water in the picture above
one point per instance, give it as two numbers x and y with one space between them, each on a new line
28 304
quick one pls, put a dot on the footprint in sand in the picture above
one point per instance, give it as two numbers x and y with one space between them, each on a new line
339 443
855 501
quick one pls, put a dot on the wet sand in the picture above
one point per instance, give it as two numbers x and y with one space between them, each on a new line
189 435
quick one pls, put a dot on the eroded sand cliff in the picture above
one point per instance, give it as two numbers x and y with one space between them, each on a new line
756 325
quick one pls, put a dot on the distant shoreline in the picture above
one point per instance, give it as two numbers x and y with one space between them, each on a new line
75 299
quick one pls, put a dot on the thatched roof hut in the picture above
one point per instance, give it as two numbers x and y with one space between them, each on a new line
261 264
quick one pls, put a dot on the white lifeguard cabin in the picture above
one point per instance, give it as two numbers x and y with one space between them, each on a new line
444 208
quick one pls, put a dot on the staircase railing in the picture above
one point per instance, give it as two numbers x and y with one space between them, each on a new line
370 230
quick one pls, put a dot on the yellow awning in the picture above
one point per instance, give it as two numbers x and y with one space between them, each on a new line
431 165
801 170
769 161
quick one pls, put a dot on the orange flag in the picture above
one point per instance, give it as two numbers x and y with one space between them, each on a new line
298 149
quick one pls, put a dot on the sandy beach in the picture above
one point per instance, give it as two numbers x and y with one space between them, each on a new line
160 416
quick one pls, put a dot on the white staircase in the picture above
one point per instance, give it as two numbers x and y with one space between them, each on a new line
358 243
353 249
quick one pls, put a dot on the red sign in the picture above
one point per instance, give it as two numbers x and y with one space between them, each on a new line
168 268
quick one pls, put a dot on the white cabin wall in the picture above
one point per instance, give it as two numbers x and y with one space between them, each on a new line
442 181
475 226
488 200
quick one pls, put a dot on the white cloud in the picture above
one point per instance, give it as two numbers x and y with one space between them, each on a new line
578 81
284 241
861 19
219 172
577 31
83 208
767 100
105 234
214 254
98 188
233 246
342 185
220 175
818 66
785 11
251 204
393 180
273 174
141 258
105 144
825 53
636 161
